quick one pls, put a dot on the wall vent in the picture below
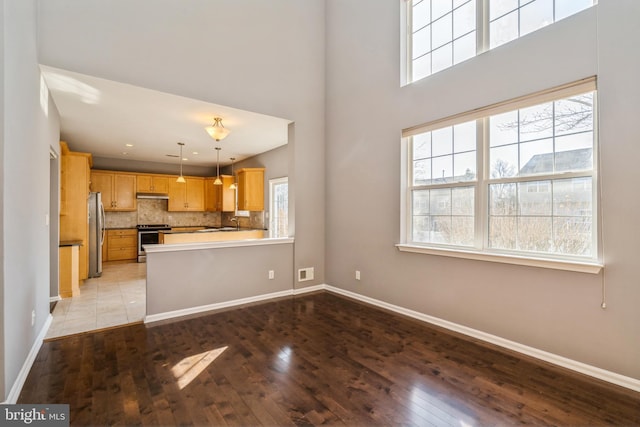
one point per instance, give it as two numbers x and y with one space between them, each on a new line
305 274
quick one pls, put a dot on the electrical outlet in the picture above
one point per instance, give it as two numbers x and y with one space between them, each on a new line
272 274
357 274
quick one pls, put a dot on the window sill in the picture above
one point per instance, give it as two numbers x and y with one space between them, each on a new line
581 267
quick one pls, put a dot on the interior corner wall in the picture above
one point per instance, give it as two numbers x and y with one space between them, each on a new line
273 63
25 187
554 311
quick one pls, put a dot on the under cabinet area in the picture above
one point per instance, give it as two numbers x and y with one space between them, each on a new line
118 190
121 245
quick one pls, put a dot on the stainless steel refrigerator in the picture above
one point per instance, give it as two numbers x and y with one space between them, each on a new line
96 234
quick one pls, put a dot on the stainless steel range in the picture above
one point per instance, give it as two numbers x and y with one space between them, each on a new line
148 235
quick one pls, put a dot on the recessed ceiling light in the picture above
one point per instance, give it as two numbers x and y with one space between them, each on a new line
128 145
125 153
195 152
185 159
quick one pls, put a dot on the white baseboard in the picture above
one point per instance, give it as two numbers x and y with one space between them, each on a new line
14 393
226 304
583 368
209 307
55 298
306 290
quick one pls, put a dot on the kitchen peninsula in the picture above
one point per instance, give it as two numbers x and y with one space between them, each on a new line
189 278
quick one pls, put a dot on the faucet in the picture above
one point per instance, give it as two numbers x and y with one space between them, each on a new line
235 219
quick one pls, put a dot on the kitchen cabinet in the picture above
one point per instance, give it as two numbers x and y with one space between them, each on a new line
186 196
152 184
69 274
118 190
74 192
219 198
122 244
251 189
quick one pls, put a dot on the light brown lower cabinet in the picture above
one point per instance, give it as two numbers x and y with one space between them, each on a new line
121 245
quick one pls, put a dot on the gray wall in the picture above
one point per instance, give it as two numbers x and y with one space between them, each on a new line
186 279
556 311
273 64
25 189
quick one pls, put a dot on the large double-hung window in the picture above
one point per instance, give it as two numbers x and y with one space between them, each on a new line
516 178
442 33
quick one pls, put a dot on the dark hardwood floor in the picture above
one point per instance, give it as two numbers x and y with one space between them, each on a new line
310 360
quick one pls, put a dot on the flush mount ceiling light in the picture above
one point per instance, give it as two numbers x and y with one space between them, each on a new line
181 178
233 185
217 129
218 181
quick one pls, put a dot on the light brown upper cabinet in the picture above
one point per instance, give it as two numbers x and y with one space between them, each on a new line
152 184
219 198
187 196
251 189
118 190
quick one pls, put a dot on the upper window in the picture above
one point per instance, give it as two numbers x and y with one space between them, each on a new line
443 33
518 177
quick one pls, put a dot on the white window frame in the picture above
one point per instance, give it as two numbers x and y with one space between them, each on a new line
481 251
272 216
483 24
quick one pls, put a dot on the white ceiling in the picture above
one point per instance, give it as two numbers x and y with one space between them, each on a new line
102 116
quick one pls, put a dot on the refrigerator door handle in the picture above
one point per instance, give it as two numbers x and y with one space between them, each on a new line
102 218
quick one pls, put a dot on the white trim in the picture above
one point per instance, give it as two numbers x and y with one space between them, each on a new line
306 290
14 393
55 298
226 304
583 368
176 247
553 94
554 264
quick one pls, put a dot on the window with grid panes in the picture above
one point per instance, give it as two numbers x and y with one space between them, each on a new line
508 180
442 33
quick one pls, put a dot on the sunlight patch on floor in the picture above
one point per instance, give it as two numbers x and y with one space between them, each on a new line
190 367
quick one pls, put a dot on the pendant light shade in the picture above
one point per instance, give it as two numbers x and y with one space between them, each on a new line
217 131
218 181
233 185
181 178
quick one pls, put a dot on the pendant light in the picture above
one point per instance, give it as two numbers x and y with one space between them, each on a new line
181 178
218 181
233 185
217 131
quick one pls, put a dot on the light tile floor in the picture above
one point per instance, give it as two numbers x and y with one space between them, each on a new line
116 298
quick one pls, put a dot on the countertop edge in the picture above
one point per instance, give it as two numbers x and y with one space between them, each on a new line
179 247
66 243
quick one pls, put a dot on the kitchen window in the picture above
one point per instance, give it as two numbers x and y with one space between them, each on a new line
279 207
516 178
442 33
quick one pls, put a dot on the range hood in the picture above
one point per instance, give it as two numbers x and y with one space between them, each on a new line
162 196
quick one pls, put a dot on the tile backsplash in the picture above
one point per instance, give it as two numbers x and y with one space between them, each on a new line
154 211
